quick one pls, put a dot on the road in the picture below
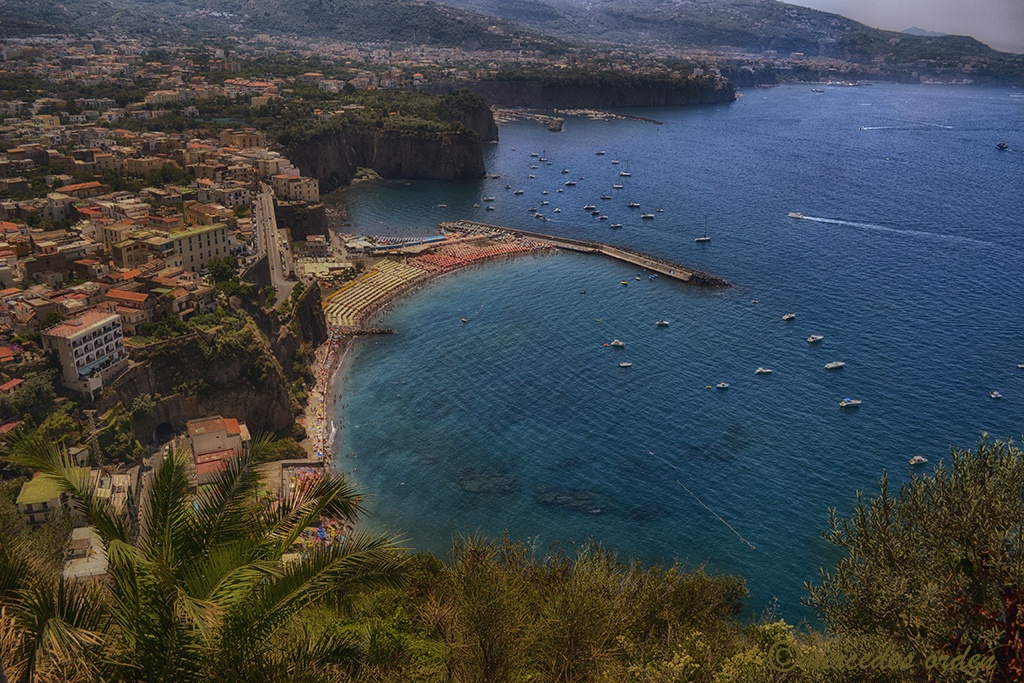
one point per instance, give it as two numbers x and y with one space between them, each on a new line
273 242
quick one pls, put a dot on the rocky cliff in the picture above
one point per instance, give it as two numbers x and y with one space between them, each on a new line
333 157
558 94
229 372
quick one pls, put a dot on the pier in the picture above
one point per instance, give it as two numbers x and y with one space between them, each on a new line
619 253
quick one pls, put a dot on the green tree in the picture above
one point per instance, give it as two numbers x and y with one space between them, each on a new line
939 566
223 268
209 586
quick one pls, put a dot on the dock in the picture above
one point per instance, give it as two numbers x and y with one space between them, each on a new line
651 263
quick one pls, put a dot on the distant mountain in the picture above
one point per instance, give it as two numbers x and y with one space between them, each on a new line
750 25
416 22
915 31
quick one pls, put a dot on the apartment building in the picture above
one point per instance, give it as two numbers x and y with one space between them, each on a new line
215 442
91 350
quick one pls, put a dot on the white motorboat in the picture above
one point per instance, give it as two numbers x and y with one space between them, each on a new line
721 385
815 338
834 365
647 216
849 403
615 225
918 460
763 371
789 316
618 344
662 323
625 364
995 394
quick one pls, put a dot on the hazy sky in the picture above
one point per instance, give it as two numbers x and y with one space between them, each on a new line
997 23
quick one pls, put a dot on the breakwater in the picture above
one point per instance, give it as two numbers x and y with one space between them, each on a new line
653 263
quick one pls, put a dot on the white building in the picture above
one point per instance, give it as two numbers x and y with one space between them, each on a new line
91 350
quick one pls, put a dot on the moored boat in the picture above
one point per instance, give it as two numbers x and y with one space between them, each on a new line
834 365
722 385
625 364
663 322
618 344
763 371
789 316
849 403
647 216
918 460
815 338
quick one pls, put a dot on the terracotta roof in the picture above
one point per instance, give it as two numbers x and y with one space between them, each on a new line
205 425
231 425
8 386
124 295
9 426
212 456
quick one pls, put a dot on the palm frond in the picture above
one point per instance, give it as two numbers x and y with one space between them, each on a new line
34 451
359 561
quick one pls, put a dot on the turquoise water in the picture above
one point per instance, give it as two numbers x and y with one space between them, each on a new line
916 285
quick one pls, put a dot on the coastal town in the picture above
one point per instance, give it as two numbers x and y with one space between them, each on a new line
187 309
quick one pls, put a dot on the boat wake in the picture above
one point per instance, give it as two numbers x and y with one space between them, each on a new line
898 231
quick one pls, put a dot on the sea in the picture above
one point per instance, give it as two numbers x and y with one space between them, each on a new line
909 261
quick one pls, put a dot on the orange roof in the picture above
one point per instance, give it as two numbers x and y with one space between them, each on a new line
81 186
212 456
9 426
7 226
137 297
7 386
205 426
9 291
231 425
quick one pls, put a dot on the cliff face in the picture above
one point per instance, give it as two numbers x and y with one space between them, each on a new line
532 94
232 373
333 158
306 325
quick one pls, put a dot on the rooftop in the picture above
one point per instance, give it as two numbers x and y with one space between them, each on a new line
41 489
81 323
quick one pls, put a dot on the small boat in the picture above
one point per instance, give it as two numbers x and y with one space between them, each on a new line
615 225
565 170
545 203
544 192
763 371
615 161
661 323
534 154
595 212
815 338
558 211
508 187
834 365
918 460
624 283
1002 146
637 277
570 183
589 207
533 166
704 237
817 90
721 385
755 301
600 152
995 394
625 364
487 199
489 207
625 174
1020 366
617 186
517 191
618 344
794 214
464 320
789 316
661 210
647 216
442 206
559 190
651 277
633 205
476 206
849 403
602 218
532 209
606 196
531 176
543 159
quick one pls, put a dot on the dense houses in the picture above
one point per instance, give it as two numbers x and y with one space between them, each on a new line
85 264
